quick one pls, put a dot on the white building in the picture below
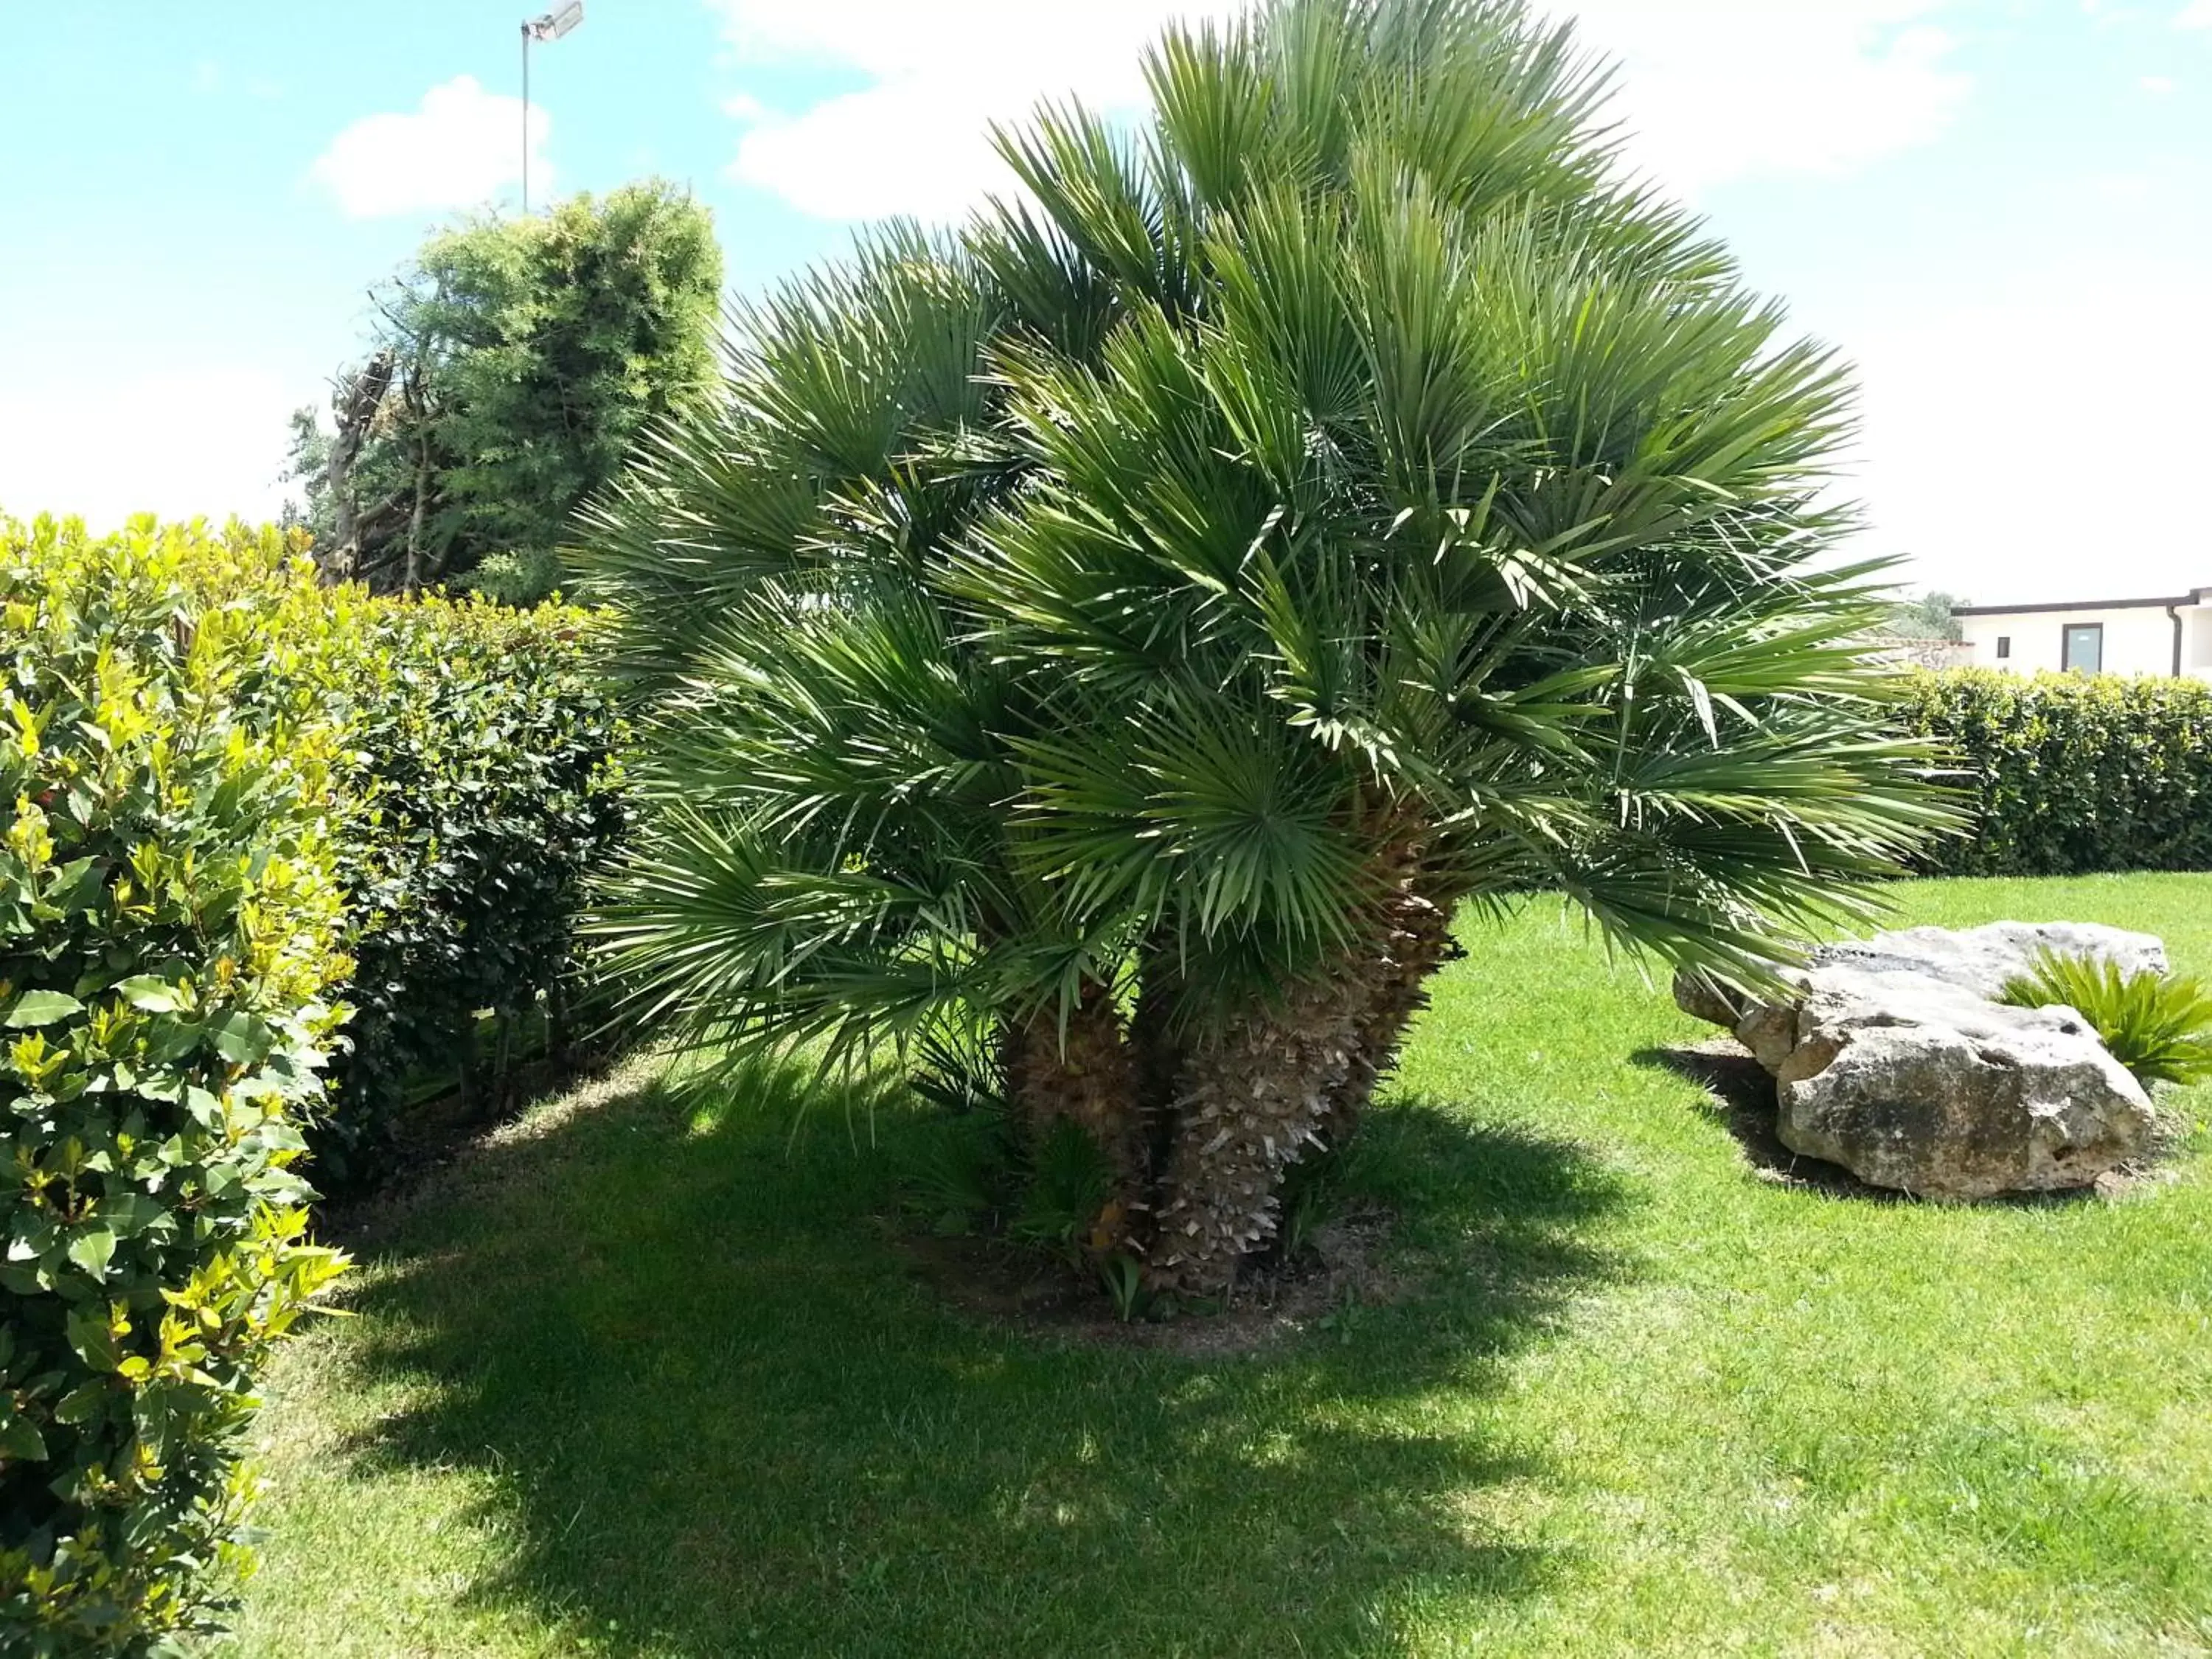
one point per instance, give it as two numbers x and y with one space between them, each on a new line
2095 637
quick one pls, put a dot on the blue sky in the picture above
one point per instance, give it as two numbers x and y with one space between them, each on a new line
2000 210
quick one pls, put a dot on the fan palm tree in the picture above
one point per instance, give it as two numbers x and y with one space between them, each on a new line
1142 621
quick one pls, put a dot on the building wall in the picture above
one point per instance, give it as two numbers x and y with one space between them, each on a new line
2138 640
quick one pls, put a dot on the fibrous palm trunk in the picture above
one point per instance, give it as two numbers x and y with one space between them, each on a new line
1199 1131
1079 1068
1413 943
1255 1091
1285 1078
1156 1050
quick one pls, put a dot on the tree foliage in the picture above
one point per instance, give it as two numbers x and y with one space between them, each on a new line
512 366
1129 628
169 930
1930 615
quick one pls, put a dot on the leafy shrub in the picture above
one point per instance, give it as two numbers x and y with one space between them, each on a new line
524 578
170 916
2160 1028
484 746
477 784
2073 773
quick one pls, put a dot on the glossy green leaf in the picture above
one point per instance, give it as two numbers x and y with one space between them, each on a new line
41 1007
240 1038
150 994
92 1251
21 1441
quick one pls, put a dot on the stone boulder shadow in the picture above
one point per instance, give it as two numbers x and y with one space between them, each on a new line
1740 1095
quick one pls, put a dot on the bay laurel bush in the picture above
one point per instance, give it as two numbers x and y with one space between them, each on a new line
2071 774
2158 1026
474 755
486 748
171 916
239 807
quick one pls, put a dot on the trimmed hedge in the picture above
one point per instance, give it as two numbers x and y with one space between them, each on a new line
170 917
2072 773
485 748
479 780
235 802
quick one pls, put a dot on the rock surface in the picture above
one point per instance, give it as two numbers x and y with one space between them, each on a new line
1981 959
1893 1059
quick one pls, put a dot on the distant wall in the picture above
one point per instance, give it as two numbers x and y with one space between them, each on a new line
2138 639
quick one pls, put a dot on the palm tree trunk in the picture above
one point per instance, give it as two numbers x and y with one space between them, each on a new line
1254 1094
1413 941
1157 1049
1278 1081
1084 1072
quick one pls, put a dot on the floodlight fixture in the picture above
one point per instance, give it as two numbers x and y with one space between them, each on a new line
551 26
557 21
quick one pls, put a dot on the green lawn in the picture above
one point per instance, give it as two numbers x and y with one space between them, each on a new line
649 1375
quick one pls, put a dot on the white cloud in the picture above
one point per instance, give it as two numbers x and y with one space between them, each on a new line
1715 90
914 141
459 149
2197 15
183 443
2158 86
2043 446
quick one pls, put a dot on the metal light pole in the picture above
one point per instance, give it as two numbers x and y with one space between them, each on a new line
551 26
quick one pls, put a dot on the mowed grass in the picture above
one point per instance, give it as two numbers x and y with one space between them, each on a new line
649 1375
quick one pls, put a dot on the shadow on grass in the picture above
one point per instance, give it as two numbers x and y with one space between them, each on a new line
1739 1093
723 1419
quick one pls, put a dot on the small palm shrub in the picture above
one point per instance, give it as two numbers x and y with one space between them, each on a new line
1139 622
2158 1026
170 921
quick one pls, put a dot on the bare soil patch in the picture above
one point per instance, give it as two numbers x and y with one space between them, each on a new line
1342 1266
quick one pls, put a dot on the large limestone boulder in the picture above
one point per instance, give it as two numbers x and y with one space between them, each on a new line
1981 959
1891 1058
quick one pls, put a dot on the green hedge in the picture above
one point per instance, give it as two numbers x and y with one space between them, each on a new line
485 748
2073 773
170 918
257 832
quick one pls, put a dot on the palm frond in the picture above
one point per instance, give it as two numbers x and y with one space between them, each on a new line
1348 470
2158 1026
